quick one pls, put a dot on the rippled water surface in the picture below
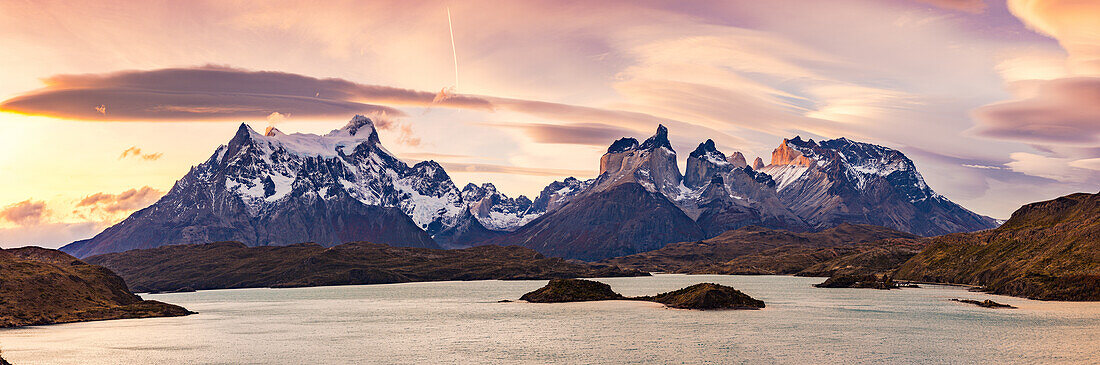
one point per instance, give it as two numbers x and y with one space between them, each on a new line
461 322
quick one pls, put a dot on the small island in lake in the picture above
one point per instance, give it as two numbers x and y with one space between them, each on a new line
699 296
571 290
870 281
983 303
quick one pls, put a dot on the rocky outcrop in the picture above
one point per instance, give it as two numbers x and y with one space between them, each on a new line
571 290
41 286
234 265
737 160
1047 250
757 164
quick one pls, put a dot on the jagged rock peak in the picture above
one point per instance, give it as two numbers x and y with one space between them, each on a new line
623 145
737 159
706 148
472 192
786 155
659 139
704 162
757 164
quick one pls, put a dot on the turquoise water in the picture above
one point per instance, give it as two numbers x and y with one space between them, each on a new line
461 322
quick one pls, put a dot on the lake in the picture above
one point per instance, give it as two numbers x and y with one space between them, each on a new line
462 322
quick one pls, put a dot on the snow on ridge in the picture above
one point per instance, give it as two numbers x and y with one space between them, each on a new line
716 159
313 145
784 175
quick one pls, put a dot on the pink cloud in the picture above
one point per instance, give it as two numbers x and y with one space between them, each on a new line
25 213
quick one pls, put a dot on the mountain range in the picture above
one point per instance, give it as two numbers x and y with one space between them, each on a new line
278 189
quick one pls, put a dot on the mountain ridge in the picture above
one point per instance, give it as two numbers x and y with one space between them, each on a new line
277 189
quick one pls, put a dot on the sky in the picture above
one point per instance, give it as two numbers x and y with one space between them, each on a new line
103 105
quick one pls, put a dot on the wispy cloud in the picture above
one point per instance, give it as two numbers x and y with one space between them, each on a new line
595 134
967 6
984 167
460 167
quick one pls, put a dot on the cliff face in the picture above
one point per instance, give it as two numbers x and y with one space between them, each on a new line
1048 250
785 155
42 286
651 163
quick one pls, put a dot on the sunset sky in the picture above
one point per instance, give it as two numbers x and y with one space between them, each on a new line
103 106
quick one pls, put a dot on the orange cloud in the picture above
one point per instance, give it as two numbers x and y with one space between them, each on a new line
133 151
122 202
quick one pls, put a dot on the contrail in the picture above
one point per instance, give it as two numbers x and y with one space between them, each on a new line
454 51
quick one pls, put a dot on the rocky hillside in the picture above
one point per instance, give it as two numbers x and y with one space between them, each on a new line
42 286
1047 250
757 250
235 265
878 257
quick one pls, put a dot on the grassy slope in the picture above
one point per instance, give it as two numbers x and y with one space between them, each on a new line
1048 250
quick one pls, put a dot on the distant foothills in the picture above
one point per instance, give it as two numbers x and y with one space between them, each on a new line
274 189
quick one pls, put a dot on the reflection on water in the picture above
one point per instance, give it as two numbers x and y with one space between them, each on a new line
461 322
